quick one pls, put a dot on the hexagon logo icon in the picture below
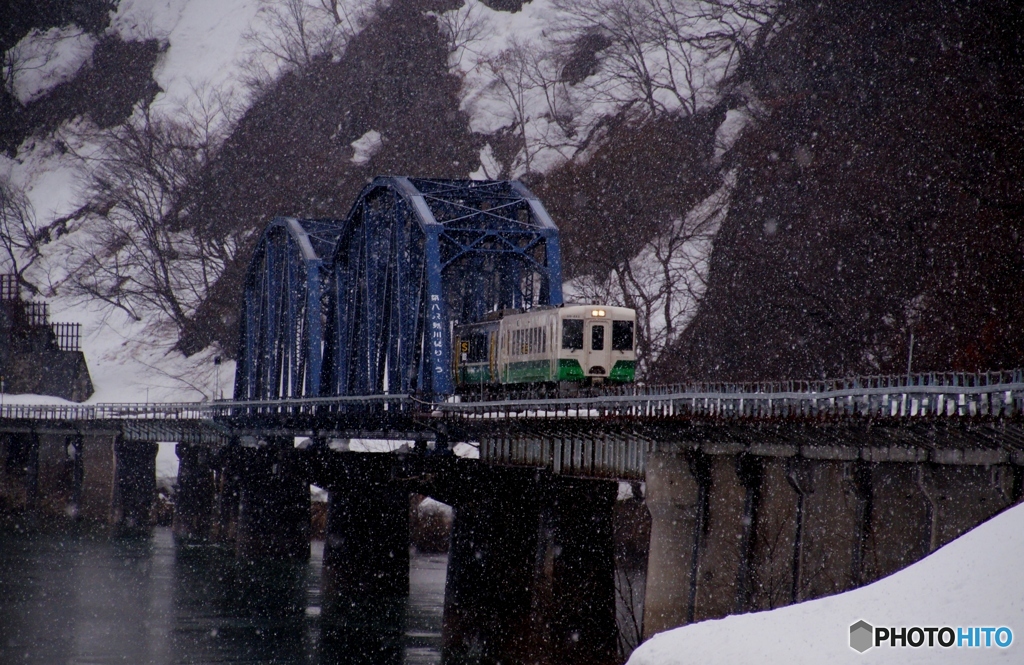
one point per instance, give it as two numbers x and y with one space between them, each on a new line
861 636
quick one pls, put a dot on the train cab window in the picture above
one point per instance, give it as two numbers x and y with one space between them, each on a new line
597 338
622 335
572 334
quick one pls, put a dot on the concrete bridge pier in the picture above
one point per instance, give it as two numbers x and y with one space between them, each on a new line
574 582
531 571
488 598
55 473
273 502
194 497
228 469
19 489
273 509
829 527
719 582
98 463
898 521
135 485
366 562
676 500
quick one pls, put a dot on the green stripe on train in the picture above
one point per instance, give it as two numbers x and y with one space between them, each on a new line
475 373
528 371
624 371
569 370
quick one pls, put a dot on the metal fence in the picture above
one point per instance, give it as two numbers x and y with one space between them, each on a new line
69 336
37 314
994 395
8 287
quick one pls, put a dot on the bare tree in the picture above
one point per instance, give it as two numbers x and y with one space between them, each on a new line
665 55
535 102
664 282
290 34
629 608
462 29
19 241
139 254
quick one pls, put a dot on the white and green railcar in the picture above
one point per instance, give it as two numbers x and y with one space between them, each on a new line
573 343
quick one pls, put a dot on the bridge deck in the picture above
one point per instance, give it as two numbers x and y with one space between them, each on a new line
943 419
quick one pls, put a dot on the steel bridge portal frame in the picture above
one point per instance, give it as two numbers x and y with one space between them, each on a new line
418 255
366 305
280 350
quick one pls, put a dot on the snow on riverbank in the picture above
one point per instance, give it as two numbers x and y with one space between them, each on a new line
976 580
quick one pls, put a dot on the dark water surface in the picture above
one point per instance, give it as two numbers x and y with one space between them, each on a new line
90 598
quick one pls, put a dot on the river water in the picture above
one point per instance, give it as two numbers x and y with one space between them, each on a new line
88 598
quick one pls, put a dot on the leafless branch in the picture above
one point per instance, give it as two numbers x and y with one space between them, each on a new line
139 255
19 240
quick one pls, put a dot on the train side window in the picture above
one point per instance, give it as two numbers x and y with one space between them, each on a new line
597 338
477 348
572 334
543 340
622 335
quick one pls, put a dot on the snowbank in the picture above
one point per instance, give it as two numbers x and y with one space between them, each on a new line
976 580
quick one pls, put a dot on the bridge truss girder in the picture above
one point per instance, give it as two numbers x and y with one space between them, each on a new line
417 256
281 332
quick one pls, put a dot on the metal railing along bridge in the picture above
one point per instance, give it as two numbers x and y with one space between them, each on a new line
991 394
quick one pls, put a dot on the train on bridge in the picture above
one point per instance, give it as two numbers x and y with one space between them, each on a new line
547 346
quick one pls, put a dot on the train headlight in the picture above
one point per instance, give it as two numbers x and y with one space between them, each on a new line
597 312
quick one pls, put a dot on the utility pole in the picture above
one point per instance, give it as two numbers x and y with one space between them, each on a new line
910 356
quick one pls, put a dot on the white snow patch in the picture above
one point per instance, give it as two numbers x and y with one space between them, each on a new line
429 505
466 450
511 67
204 38
44 59
490 167
378 445
366 146
730 129
974 581
166 461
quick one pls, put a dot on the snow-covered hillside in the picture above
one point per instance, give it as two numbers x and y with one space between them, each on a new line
524 74
976 580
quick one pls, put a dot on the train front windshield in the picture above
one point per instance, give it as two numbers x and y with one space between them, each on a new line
622 335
